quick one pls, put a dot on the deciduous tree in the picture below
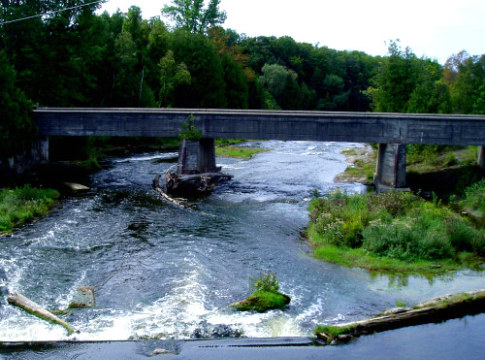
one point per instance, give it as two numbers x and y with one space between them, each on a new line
191 15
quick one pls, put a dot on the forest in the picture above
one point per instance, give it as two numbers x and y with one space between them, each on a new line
185 58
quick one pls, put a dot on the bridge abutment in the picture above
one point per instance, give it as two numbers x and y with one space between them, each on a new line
391 167
197 157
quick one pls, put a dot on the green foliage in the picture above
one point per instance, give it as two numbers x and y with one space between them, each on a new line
238 151
265 296
266 282
192 16
79 58
17 206
207 87
396 79
475 197
189 130
332 331
171 76
262 301
466 75
16 128
395 225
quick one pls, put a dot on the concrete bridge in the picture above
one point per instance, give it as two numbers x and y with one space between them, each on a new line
390 130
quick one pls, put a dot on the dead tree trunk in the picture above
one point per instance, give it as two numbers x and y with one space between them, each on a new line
31 307
158 189
436 310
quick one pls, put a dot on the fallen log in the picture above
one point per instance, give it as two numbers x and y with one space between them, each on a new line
32 308
436 310
158 189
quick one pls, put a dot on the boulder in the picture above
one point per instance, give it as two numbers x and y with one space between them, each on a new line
262 301
75 187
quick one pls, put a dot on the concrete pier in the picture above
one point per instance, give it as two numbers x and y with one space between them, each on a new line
391 167
196 157
481 157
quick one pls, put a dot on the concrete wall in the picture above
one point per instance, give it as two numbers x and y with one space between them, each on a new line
23 162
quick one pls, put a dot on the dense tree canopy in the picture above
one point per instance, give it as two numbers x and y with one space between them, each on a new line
79 58
16 128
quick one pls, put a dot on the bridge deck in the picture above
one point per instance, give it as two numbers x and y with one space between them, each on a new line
449 129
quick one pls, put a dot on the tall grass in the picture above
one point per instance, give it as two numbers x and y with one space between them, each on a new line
395 225
19 205
475 197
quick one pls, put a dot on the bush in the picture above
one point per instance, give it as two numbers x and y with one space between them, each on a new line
340 219
267 283
396 225
475 196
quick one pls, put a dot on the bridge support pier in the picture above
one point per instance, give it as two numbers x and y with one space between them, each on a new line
481 157
197 157
391 167
41 149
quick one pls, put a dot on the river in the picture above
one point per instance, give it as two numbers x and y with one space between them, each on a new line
162 272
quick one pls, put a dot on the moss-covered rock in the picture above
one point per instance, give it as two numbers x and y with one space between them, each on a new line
262 301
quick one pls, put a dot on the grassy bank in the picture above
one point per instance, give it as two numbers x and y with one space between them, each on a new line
20 205
227 147
237 151
397 231
362 165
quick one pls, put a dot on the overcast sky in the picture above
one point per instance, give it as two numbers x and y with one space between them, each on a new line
431 28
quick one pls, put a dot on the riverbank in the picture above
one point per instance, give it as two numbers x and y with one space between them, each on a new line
21 205
399 232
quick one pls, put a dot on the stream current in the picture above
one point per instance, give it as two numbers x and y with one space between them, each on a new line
160 271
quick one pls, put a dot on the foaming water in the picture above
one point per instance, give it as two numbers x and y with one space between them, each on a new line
164 272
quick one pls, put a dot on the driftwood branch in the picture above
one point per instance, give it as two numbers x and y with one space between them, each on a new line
158 189
31 307
436 310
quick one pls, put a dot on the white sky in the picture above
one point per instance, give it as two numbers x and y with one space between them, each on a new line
431 28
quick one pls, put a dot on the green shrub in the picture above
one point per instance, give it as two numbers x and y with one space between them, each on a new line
475 196
266 282
189 130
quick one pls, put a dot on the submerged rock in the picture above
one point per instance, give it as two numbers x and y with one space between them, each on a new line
160 352
262 301
84 298
3 284
207 331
